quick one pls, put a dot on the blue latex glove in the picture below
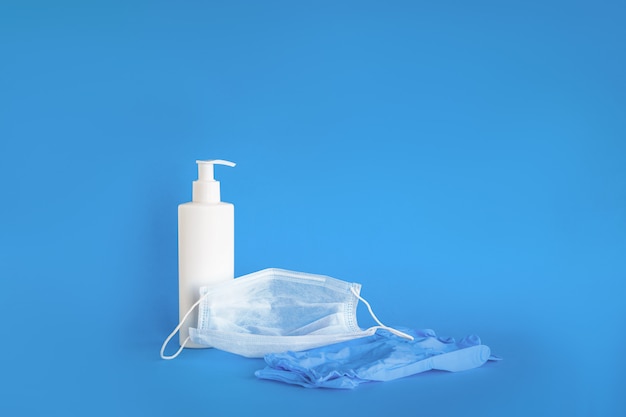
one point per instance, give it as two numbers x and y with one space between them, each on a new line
381 357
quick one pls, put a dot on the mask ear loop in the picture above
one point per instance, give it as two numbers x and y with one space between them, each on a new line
381 326
176 329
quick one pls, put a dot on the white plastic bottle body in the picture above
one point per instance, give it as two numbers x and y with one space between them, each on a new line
206 254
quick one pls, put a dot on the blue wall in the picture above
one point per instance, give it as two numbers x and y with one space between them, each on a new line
465 162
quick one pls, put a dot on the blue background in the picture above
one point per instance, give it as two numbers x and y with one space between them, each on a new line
464 161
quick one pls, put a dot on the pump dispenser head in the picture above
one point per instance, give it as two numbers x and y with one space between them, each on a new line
205 188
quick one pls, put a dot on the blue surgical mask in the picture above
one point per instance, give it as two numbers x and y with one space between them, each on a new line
276 310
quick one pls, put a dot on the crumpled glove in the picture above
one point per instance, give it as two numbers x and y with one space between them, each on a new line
380 357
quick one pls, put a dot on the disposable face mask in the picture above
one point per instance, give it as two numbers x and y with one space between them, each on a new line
381 357
275 310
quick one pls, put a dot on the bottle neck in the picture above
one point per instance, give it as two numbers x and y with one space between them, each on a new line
206 192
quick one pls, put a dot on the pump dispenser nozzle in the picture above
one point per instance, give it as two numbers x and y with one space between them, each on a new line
205 188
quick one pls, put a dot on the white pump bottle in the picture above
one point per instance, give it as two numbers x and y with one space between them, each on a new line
206 243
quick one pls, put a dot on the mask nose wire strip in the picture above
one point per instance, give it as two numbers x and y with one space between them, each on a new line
176 329
382 326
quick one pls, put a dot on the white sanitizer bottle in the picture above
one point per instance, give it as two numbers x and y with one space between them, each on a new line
206 243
